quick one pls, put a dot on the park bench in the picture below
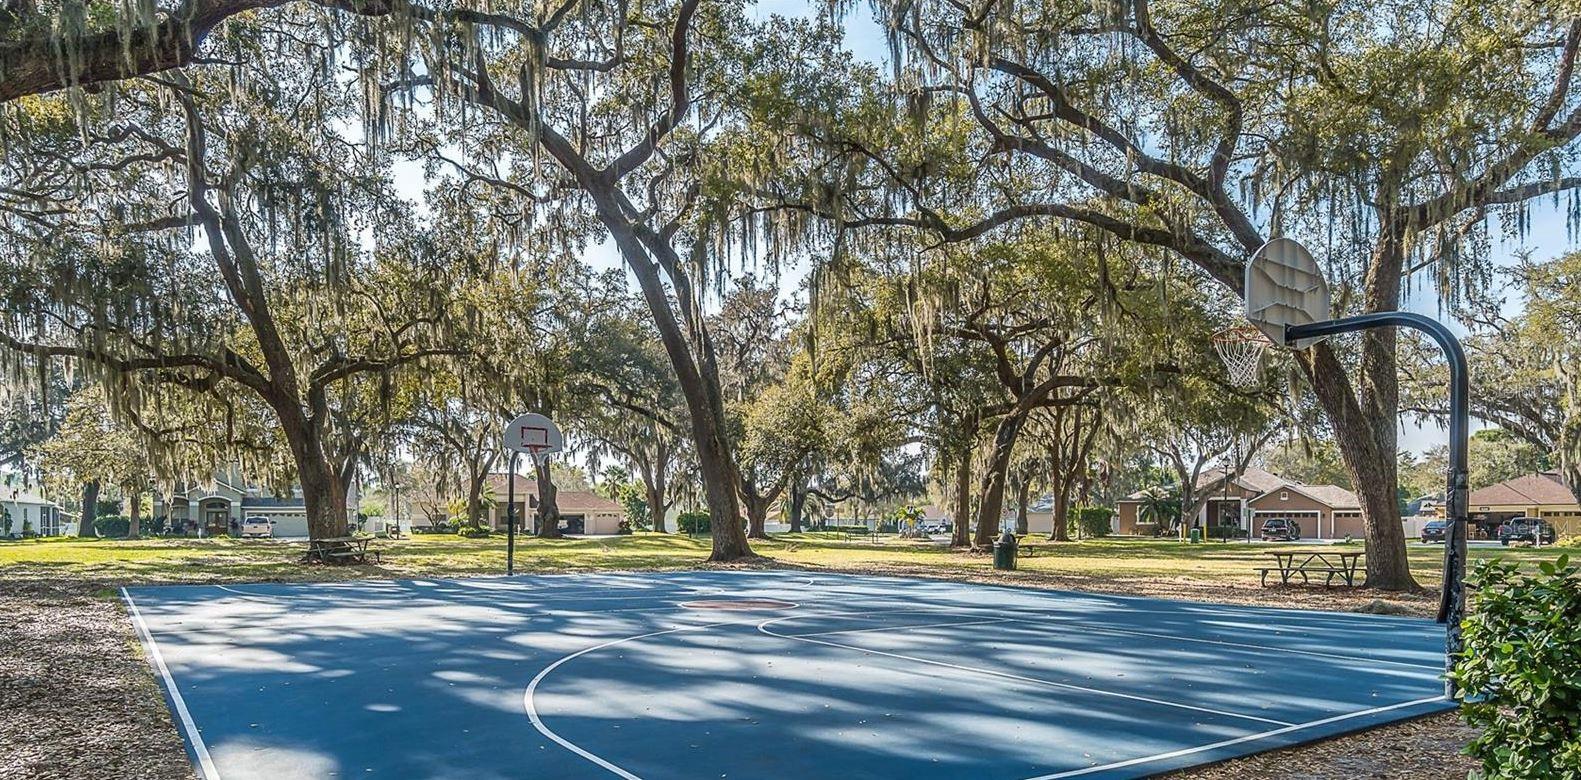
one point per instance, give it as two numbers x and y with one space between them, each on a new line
340 549
1332 565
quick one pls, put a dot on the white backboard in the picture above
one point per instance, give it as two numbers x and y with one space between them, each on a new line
533 434
1284 286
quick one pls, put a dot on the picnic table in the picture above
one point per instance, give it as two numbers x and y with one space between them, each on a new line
341 549
1304 562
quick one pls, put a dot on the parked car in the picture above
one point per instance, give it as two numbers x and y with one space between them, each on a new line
257 528
1281 529
1434 531
933 527
1527 529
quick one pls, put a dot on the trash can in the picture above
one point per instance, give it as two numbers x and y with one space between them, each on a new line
1196 535
1005 552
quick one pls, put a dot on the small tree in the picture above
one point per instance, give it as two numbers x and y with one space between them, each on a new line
91 448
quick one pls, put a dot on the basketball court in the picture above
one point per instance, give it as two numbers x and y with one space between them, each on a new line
757 675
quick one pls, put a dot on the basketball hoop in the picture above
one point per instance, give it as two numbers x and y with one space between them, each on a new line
1241 348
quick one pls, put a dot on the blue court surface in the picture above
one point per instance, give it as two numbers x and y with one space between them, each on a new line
757 675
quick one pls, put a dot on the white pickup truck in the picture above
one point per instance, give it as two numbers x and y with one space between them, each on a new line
257 528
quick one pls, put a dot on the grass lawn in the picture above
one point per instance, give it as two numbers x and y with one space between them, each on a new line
116 562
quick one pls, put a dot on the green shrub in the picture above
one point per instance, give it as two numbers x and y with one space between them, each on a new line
887 527
1225 533
1520 672
481 532
694 523
1147 529
624 527
1092 521
112 526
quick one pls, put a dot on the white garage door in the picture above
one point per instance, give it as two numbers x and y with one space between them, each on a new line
289 526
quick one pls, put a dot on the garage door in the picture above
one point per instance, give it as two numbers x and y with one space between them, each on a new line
290 526
1308 520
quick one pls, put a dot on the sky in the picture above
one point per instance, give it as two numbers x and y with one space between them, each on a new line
1546 238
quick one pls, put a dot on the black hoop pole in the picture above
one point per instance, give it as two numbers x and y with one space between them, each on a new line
510 516
1452 597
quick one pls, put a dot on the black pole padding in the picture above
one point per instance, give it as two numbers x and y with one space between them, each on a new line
510 517
1452 597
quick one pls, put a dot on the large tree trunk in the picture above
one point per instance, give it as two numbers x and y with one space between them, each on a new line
757 516
992 503
1061 511
1365 426
548 514
699 381
798 507
655 499
1023 491
475 499
134 513
323 498
960 534
90 510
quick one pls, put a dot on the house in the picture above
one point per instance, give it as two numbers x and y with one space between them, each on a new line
1255 495
28 511
217 509
581 511
1543 495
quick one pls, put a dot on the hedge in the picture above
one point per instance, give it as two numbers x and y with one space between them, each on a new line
694 523
112 526
1093 521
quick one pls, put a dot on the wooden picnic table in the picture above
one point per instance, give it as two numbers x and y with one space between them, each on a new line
341 549
1331 564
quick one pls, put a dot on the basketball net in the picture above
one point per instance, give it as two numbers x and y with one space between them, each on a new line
1241 348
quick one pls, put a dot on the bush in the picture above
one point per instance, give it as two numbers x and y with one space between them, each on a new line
1147 529
887 527
112 526
694 523
624 527
1520 672
481 532
1093 521
1225 533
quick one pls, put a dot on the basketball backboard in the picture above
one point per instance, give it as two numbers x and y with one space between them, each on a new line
533 434
1284 286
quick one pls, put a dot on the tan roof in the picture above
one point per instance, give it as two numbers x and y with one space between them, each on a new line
569 501
1530 490
1334 496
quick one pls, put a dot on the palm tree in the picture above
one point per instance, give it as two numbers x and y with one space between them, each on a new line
1159 504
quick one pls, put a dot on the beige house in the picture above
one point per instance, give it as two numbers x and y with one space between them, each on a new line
581 511
1248 500
1534 495
218 508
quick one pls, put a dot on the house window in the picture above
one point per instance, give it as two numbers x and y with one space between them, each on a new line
1284 495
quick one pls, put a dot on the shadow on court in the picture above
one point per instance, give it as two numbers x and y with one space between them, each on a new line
866 677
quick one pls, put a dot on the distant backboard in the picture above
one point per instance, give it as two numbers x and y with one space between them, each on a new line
533 434
1285 287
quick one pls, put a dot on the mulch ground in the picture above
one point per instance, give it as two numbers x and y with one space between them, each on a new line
80 699
78 696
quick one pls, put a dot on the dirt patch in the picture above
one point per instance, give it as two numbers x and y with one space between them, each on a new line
1423 749
78 696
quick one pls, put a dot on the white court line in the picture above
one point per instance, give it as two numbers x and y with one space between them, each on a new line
532 688
763 628
205 764
1236 741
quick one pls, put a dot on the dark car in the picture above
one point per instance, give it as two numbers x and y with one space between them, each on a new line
1281 529
1527 529
1434 531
